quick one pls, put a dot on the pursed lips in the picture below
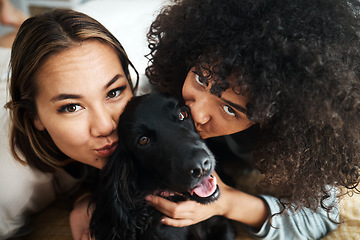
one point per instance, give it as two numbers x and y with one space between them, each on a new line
107 150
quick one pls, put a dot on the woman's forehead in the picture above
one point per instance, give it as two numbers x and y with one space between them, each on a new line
89 63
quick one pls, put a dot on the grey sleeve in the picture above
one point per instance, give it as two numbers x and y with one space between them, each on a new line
298 224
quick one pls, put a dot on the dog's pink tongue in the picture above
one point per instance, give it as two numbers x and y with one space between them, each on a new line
205 188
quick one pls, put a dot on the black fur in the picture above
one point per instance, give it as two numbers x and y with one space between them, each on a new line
159 152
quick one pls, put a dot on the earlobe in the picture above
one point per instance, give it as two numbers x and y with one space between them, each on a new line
38 124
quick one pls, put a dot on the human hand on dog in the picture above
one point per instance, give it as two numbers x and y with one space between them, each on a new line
232 204
187 212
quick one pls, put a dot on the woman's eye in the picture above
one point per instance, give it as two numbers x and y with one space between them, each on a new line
69 108
229 110
115 92
199 80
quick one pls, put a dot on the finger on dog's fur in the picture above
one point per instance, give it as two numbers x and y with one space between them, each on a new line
163 205
176 222
179 211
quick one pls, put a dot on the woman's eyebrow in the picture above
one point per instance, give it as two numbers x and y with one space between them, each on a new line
64 96
114 79
234 105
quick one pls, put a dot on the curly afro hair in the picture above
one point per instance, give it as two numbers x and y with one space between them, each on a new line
299 62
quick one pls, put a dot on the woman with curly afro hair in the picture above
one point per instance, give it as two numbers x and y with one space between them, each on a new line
276 84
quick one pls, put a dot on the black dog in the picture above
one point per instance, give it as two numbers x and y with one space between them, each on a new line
160 153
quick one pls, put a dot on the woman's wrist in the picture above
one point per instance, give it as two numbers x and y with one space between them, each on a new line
243 207
223 204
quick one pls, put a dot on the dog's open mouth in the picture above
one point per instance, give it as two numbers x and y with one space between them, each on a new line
206 192
206 188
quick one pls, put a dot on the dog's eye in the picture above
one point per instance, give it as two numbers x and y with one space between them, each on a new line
183 115
144 140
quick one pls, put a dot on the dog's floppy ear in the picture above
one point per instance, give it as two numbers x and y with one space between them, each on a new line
114 197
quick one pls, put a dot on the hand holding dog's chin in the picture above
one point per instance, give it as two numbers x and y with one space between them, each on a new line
186 213
232 204
181 214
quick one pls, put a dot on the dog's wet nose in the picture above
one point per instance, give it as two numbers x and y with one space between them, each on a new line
203 167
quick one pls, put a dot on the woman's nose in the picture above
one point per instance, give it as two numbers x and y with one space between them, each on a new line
103 123
200 112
